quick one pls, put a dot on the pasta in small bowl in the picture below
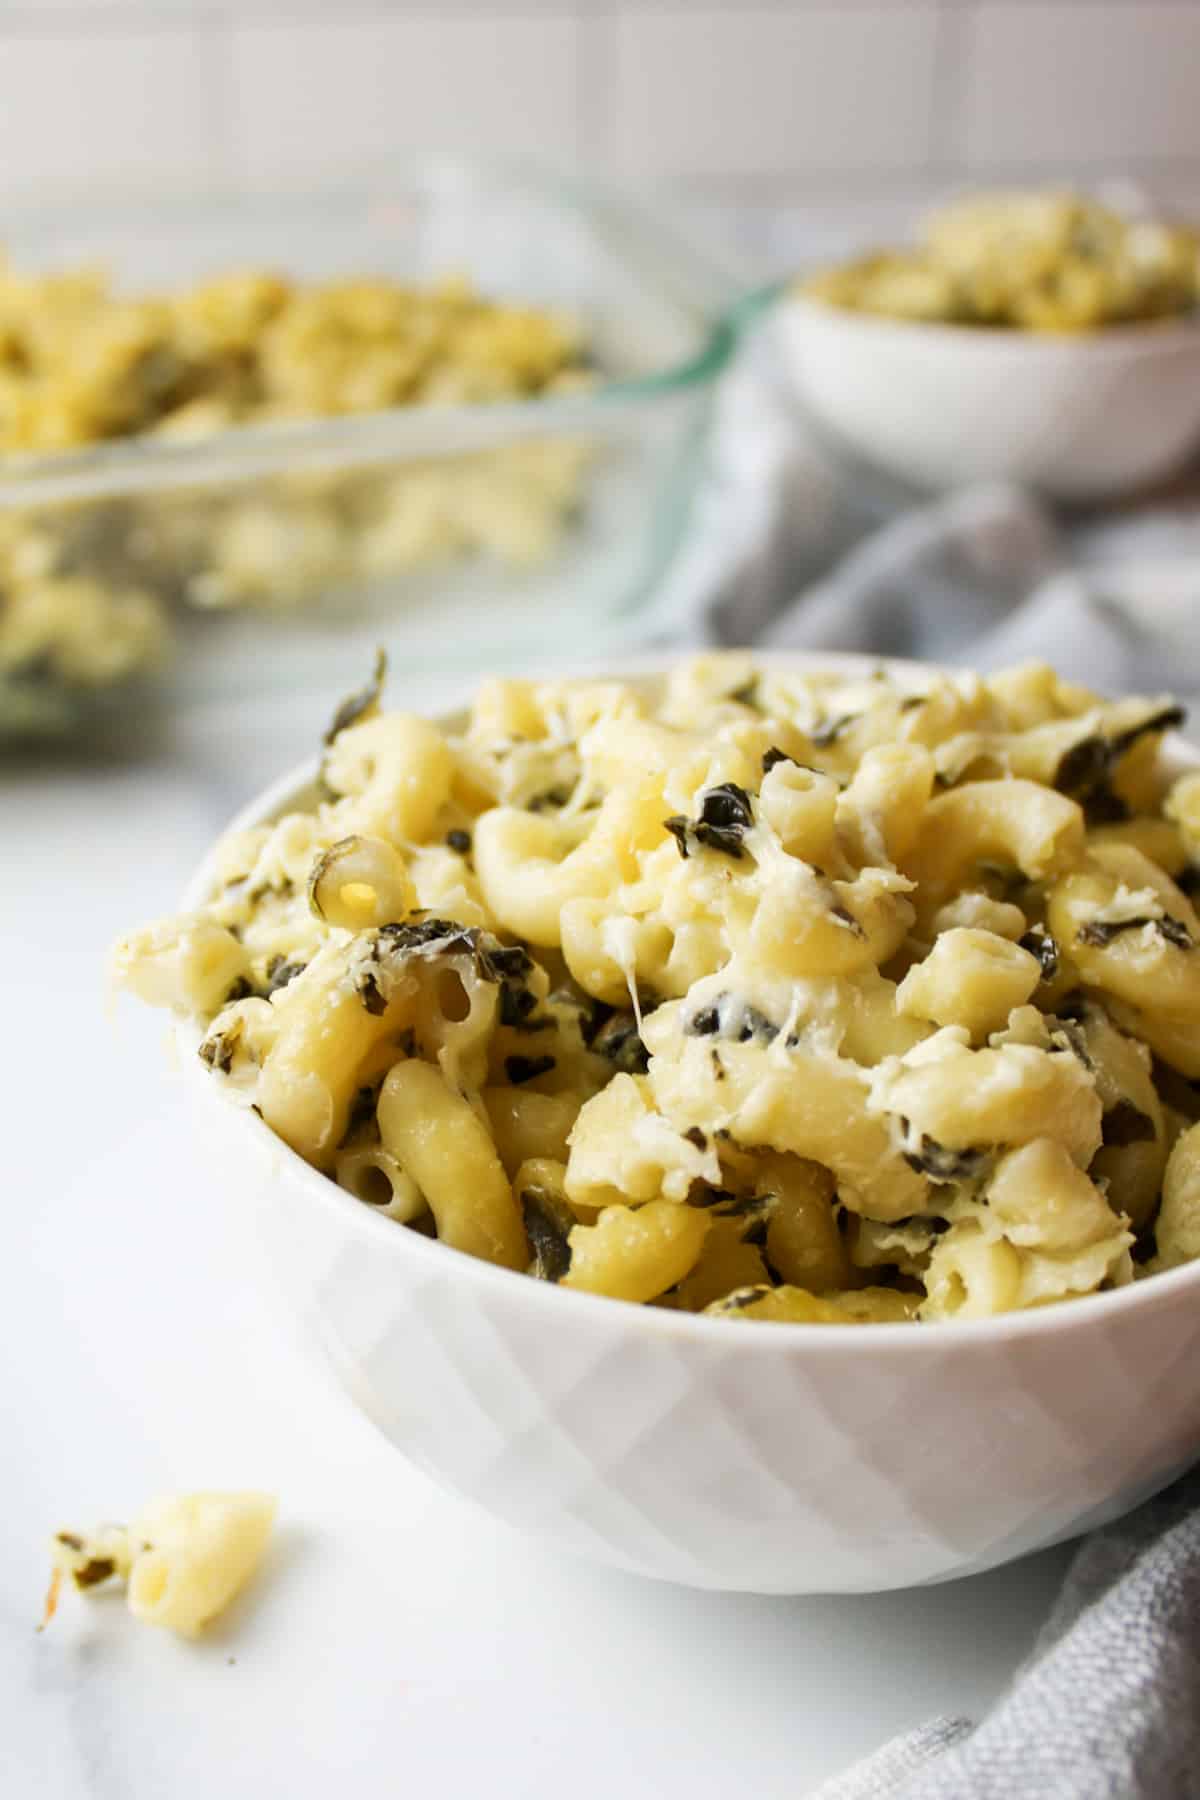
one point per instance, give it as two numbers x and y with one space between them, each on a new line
742 999
1039 338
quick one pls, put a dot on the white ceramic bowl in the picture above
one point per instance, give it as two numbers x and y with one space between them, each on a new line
764 1458
938 405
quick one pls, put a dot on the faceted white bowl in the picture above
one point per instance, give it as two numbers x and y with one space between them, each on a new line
941 405
764 1458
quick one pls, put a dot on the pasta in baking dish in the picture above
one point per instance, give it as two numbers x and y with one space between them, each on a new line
776 995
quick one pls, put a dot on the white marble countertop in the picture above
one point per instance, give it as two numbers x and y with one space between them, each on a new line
398 1641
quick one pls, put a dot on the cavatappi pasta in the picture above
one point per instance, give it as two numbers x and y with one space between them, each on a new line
1038 261
774 995
182 1560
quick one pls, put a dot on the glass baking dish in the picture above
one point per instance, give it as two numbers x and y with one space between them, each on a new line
276 555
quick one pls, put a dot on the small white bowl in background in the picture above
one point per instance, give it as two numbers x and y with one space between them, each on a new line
1081 417
761 1458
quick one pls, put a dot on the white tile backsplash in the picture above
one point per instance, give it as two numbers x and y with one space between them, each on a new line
1078 83
312 98
122 109
747 91
750 104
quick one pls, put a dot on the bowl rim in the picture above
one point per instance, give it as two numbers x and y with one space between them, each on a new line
1141 337
774 1336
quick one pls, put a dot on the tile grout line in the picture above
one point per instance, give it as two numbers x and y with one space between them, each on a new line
949 71
595 62
776 186
126 16
189 21
771 191
225 131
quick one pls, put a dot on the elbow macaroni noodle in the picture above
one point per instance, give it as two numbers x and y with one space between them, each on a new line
183 1559
778 996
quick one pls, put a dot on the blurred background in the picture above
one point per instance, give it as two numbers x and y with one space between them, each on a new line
764 139
781 123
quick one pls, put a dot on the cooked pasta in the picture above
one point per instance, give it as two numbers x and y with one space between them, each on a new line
1038 261
183 1559
778 996
90 588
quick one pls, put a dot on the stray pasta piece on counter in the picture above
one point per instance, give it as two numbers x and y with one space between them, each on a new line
182 1560
778 996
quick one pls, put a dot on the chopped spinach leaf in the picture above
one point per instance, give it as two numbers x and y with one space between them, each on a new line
726 815
1101 932
394 944
943 1164
1145 1245
1038 941
366 986
1126 1123
516 1004
362 1110
1085 771
741 1025
740 1299
830 730
360 704
619 1041
1069 1037
1105 807
521 1069
93 1572
219 1049
754 1026
548 1224
552 798
1082 767
848 919
591 1021
280 972
679 828
1170 718
703 1023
